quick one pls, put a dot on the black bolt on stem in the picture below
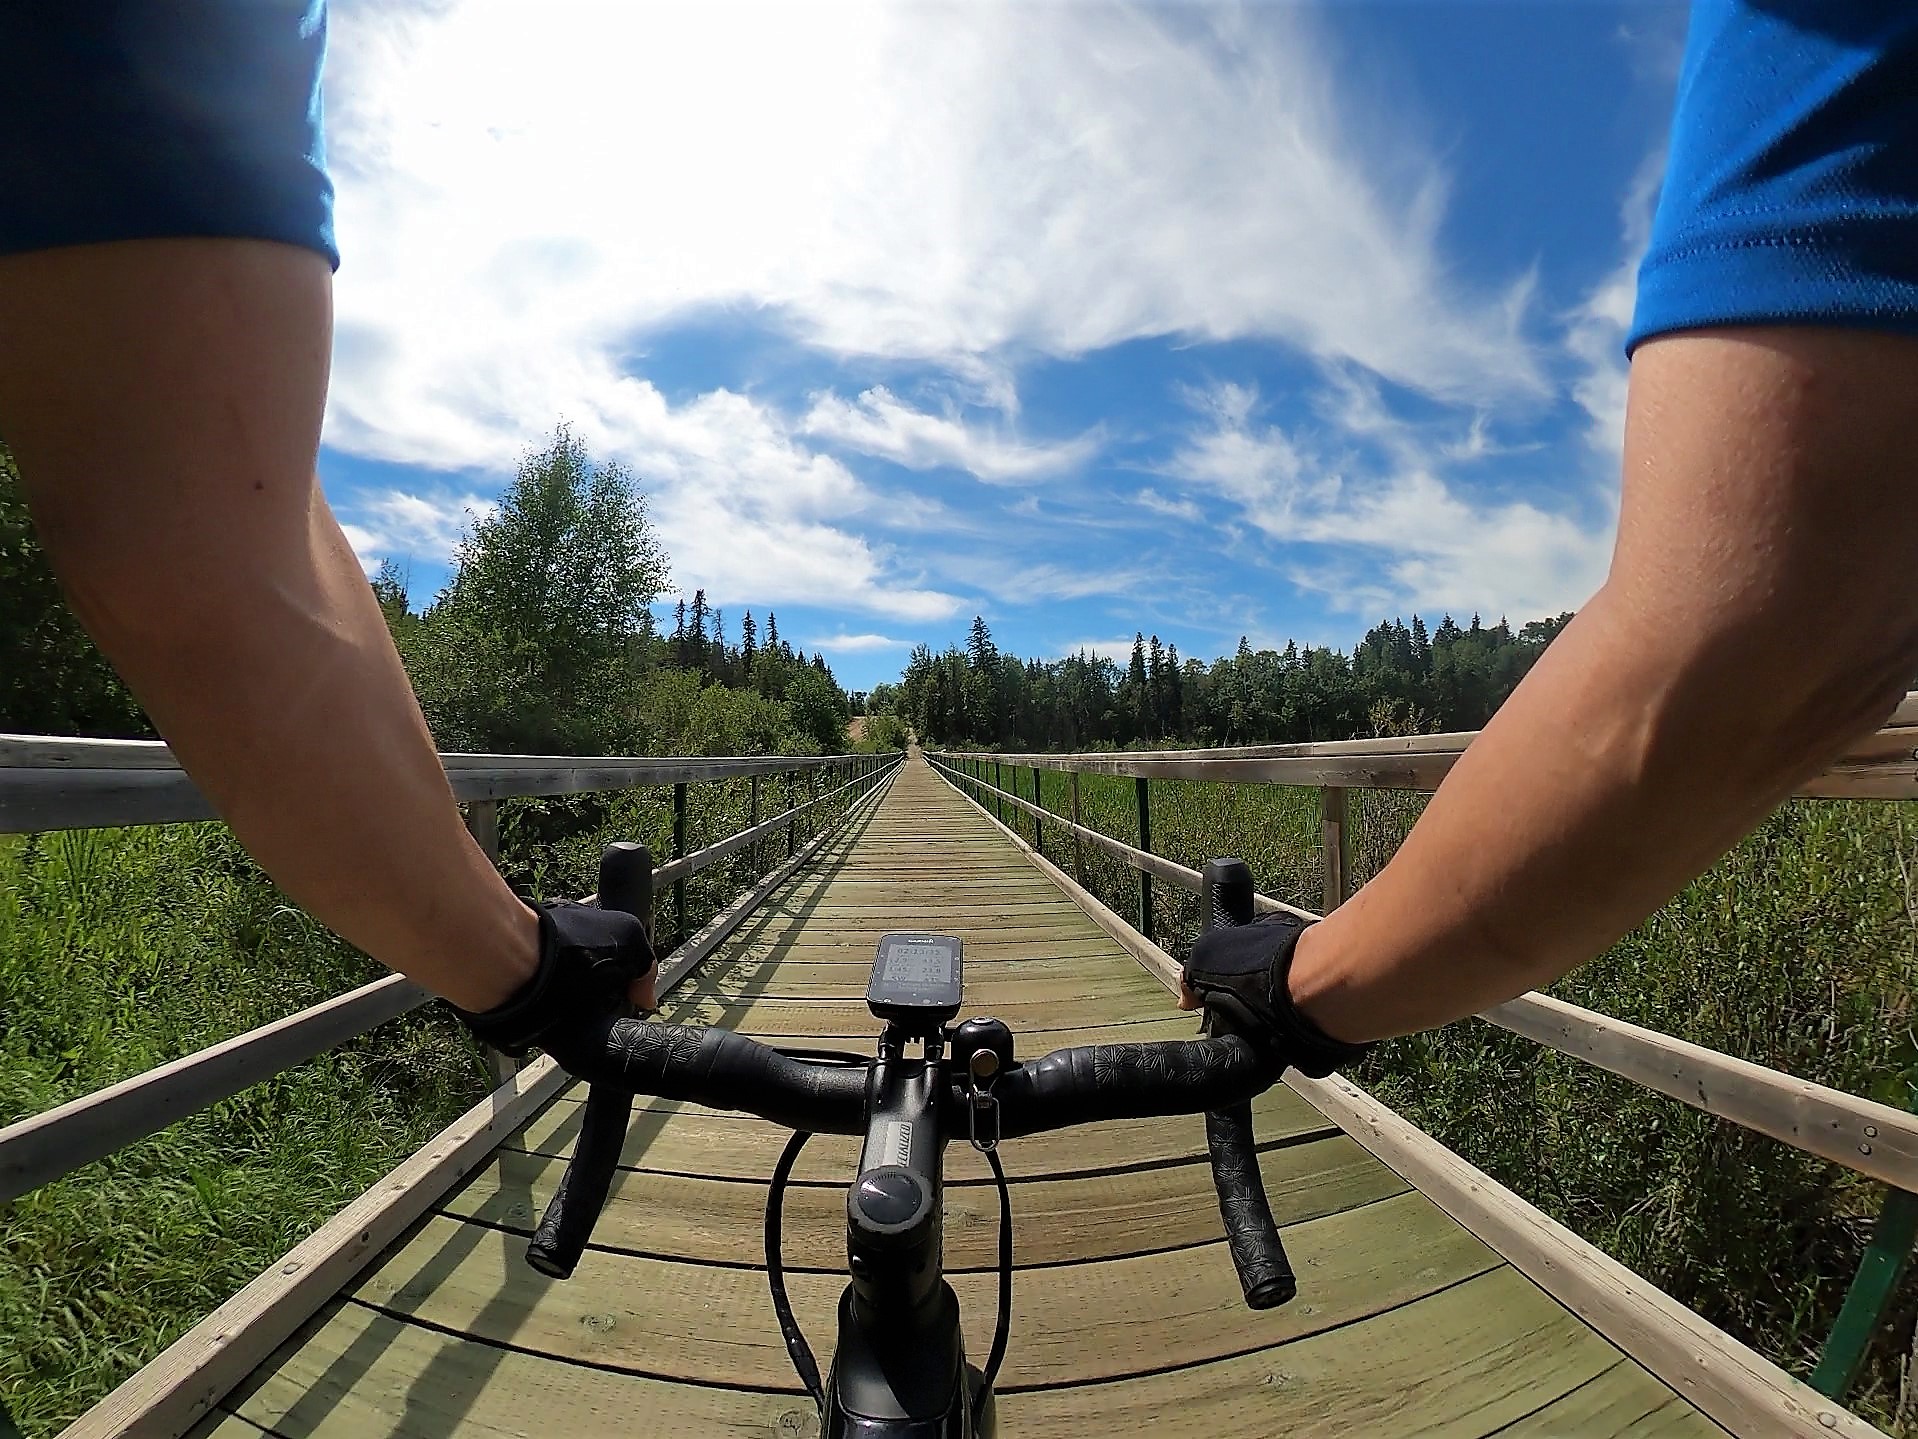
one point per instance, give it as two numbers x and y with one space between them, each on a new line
1141 787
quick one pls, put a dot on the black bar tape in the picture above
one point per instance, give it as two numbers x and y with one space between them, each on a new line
1129 1081
569 1219
729 1071
1257 1253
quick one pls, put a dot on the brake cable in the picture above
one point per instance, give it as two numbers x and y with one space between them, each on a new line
796 1347
1003 1327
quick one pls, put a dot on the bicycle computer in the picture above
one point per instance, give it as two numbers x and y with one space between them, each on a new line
915 981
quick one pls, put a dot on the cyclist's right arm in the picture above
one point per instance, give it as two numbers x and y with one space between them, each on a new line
1761 612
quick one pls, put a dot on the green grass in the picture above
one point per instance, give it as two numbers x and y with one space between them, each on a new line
1799 951
123 949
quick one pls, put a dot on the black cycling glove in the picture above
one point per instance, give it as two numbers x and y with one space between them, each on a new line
1241 975
588 960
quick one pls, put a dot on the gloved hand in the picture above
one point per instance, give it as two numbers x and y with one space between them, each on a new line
1240 975
595 966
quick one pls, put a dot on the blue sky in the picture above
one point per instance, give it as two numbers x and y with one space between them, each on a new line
1271 320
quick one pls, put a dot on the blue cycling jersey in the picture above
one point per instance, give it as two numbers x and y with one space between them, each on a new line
139 119
1791 189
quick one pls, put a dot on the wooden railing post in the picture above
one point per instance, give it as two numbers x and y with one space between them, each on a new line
792 825
758 857
1038 828
1078 844
482 822
1336 842
1141 788
679 852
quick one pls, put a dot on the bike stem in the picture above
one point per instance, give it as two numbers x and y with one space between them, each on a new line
900 1360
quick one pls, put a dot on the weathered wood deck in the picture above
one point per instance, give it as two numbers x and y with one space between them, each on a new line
1127 1311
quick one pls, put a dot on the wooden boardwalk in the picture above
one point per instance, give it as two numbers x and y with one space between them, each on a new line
1127 1312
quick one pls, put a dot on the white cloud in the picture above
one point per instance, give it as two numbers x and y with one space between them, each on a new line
395 522
878 423
1595 331
526 192
1159 504
933 182
1426 545
857 644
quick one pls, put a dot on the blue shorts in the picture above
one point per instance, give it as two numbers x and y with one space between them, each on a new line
1791 189
141 119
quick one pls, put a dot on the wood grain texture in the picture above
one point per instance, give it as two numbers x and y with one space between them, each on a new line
731 1146
1099 1216
1076 1323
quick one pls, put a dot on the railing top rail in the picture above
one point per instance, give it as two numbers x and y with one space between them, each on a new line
56 783
1881 766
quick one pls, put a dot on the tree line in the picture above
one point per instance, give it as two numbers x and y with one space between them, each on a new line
543 641
1400 679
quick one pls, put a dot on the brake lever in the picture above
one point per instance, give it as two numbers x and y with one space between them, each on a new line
1258 1254
625 883
568 1221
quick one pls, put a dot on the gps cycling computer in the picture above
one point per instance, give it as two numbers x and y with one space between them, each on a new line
915 981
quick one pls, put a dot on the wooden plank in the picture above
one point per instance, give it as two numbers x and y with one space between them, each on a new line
1168 1206
1872 1138
699 1142
1622 1403
808 951
40 1149
1076 1323
87 784
824 1018
1031 981
166 1396
1707 1367
1456 1365
1883 765
362 1374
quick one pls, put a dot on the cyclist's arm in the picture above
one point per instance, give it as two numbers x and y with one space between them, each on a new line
163 399
1761 612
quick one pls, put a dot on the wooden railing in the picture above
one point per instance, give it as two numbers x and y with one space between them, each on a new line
48 784
1863 1135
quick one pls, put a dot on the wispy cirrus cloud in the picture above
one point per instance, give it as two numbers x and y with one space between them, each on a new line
1595 330
1410 538
857 644
383 523
878 423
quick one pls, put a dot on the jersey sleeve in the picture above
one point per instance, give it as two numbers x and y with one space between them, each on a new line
1791 185
142 119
